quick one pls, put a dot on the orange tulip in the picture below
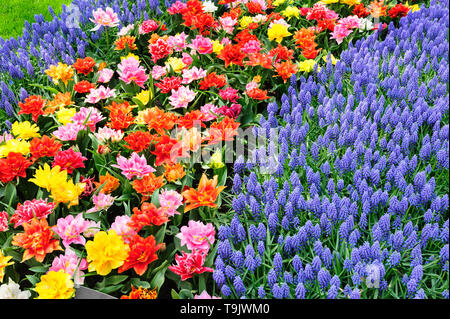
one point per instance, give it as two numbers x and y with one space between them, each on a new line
224 130
285 69
125 42
141 293
60 100
377 9
147 185
142 253
173 172
146 216
205 195
110 183
37 240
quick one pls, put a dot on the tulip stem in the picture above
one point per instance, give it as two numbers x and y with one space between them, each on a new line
107 39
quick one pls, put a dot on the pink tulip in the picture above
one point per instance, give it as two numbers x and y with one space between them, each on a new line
202 45
209 111
105 133
197 236
102 202
101 93
181 97
158 72
205 295
170 200
105 75
135 166
340 32
122 229
193 74
130 71
70 229
228 24
178 42
106 18
176 7
88 116
68 132
71 264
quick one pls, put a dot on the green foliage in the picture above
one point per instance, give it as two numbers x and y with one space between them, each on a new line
14 13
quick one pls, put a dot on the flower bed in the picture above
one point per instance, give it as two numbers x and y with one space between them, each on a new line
355 202
63 39
115 163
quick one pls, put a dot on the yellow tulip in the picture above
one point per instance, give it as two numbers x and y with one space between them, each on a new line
107 251
4 262
55 285
25 130
48 178
65 114
277 32
15 145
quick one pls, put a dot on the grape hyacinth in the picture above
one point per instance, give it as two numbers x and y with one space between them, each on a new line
358 192
64 38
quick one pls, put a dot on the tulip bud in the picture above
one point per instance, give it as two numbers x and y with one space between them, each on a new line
216 160
101 66
103 149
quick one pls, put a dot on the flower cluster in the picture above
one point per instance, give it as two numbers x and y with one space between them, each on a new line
63 38
114 133
255 44
351 202
102 170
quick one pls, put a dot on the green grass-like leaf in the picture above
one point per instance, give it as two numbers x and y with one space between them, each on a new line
14 13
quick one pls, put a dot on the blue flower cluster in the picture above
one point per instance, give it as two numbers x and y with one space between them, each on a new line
63 39
356 202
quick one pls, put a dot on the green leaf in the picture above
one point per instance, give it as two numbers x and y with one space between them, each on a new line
174 294
48 88
100 285
173 230
201 283
210 258
185 294
158 279
177 242
174 277
247 117
14 254
159 237
127 208
83 141
10 193
202 213
124 197
177 219
32 279
136 282
7 241
223 177
99 161
185 285
39 269
109 289
155 197
114 280
94 216
138 102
